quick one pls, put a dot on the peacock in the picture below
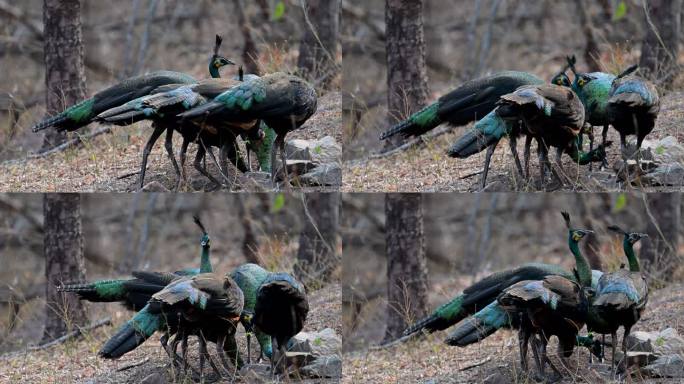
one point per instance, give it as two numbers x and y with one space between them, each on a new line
134 293
87 111
206 305
284 102
469 102
621 296
554 116
280 312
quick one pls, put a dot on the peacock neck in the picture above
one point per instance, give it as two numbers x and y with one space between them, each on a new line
581 263
213 71
205 265
631 257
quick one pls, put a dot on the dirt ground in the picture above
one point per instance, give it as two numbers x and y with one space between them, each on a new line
110 162
77 361
427 168
495 360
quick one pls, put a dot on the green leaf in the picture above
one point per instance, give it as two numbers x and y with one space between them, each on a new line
279 11
660 341
660 150
318 342
278 203
620 203
318 150
620 11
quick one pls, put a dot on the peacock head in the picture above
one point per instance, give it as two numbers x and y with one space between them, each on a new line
561 79
219 61
205 241
576 234
630 237
581 80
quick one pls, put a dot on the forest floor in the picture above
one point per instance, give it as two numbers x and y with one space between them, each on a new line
494 360
427 168
77 361
110 162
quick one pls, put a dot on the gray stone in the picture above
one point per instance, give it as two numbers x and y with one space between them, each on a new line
324 366
294 168
667 174
664 151
325 175
323 343
324 150
255 373
262 178
666 366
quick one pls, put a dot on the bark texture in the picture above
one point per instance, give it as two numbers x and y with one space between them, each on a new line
407 89
659 252
317 256
319 44
406 262
64 70
659 50
63 245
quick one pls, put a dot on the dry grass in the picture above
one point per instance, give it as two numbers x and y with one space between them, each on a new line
429 360
427 168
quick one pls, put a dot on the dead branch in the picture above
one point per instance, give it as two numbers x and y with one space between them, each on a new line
71 143
133 365
413 142
73 334
475 365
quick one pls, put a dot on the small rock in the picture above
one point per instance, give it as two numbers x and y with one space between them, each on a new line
666 174
255 373
661 343
154 186
664 151
324 366
324 174
324 150
666 366
323 343
262 178
154 378
294 168
298 359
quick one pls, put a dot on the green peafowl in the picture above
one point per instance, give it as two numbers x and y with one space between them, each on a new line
554 116
87 111
206 305
284 102
469 102
134 293
621 296
280 312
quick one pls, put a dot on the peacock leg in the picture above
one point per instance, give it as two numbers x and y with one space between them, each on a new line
249 348
528 145
201 152
182 155
168 144
542 165
184 352
488 158
535 353
613 340
523 340
624 345
604 163
148 148
204 353
513 142
274 148
274 344
603 347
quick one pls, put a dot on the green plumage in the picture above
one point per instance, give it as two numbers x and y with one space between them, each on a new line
594 95
81 112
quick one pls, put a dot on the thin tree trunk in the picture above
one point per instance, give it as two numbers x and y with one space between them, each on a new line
319 44
659 251
406 263
407 89
317 256
250 244
661 43
64 71
250 52
63 244
592 54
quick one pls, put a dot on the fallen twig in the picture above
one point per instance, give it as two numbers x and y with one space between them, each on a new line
71 143
415 141
483 362
394 342
73 334
133 365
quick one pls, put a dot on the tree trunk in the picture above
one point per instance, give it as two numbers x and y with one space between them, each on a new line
406 263
659 50
64 71
63 245
659 251
317 257
318 48
407 89
250 244
592 54
250 53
